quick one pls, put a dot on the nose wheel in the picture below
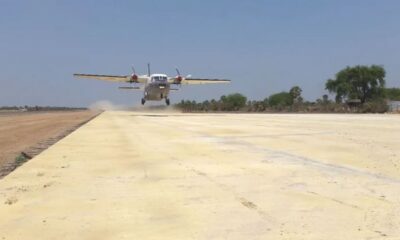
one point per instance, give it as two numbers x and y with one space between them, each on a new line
167 101
143 101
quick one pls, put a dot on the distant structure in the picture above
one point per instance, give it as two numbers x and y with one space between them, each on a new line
394 106
353 104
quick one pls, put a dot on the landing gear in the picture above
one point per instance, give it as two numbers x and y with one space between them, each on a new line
143 101
167 101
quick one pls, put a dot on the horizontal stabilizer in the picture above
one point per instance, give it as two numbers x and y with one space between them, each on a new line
134 88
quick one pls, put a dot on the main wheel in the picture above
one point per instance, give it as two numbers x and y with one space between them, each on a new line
167 101
143 101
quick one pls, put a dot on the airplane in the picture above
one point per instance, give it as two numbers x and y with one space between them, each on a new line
156 86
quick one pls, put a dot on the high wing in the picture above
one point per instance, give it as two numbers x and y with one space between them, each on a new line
188 81
203 81
112 78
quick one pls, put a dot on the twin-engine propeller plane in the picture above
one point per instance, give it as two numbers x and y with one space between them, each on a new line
156 86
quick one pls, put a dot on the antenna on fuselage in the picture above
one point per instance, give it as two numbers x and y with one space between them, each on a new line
148 69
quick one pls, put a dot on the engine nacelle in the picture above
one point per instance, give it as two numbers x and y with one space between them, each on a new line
134 78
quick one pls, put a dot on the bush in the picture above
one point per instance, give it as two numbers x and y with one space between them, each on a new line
392 94
20 159
279 100
233 102
377 106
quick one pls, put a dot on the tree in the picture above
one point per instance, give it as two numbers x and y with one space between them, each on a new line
295 92
282 99
360 82
392 94
213 105
325 98
233 102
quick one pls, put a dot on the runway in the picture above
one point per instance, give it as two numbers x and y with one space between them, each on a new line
141 175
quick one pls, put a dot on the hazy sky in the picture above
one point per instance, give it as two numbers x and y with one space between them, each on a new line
262 46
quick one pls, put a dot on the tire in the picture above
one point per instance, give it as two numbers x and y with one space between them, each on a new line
143 101
167 101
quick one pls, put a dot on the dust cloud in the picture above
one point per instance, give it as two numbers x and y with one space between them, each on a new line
105 105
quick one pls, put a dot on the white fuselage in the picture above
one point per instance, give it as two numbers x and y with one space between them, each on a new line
157 87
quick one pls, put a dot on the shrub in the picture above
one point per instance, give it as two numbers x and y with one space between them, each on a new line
376 106
20 159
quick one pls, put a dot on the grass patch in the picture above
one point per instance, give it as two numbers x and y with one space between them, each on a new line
20 159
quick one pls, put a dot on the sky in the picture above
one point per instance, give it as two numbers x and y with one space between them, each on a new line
264 47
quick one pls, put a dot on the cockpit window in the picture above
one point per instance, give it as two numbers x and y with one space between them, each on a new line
159 79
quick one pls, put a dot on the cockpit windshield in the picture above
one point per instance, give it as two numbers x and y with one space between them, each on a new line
160 79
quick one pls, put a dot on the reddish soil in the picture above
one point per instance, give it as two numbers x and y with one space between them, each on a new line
33 132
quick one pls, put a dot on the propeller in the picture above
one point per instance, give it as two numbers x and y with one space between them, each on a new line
178 78
177 71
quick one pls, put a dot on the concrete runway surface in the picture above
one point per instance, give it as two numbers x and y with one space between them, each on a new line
130 175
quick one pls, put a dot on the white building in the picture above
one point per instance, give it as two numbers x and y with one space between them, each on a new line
394 106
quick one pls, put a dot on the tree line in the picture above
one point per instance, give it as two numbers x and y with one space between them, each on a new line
39 108
356 89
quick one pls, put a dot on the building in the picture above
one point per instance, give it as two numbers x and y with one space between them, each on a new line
394 106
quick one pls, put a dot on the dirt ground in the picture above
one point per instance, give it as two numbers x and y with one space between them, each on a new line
141 175
26 131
